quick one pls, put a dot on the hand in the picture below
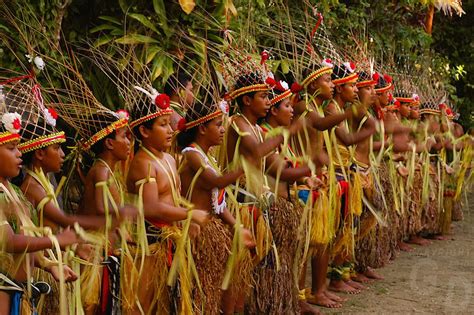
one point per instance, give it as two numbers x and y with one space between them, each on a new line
200 217
84 251
247 238
296 126
403 171
449 169
67 237
69 274
194 230
314 182
128 212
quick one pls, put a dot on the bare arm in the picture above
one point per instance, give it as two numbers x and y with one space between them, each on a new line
250 145
35 194
323 123
348 138
19 243
208 177
287 174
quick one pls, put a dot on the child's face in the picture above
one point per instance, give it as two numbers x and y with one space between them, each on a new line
260 104
325 86
160 135
214 131
121 144
284 113
348 92
52 158
383 98
367 95
11 160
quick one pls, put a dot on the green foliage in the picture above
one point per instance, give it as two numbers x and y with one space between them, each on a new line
160 30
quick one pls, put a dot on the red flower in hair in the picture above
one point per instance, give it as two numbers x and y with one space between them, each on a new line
53 113
442 106
353 66
271 82
182 124
16 124
376 76
296 88
390 97
162 101
387 78
397 104
449 111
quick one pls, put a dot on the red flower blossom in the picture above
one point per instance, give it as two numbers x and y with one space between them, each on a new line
53 113
162 101
182 124
16 124
295 87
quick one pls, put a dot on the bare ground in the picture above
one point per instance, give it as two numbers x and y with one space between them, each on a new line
435 279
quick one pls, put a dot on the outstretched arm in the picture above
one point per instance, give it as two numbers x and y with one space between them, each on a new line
348 138
208 177
276 164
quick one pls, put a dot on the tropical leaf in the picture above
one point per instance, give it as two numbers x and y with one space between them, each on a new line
187 5
102 28
103 40
110 19
151 53
144 20
135 39
160 10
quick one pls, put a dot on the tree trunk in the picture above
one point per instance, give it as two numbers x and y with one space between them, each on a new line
429 19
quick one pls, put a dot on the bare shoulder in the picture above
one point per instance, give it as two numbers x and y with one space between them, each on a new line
32 190
331 108
241 123
170 159
299 108
141 166
98 173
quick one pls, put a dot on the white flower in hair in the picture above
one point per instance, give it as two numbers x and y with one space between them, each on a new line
50 116
415 97
224 106
12 122
39 62
284 85
122 114
327 63
350 66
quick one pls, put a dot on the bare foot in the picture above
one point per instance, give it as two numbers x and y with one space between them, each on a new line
360 277
308 309
322 300
356 285
341 286
404 247
417 240
370 273
334 297
440 237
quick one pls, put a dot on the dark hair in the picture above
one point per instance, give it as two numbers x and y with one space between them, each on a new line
175 82
247 80
199 110
99 147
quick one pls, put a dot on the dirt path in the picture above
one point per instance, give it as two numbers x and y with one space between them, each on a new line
437 279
